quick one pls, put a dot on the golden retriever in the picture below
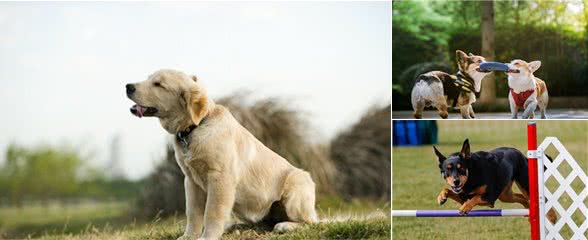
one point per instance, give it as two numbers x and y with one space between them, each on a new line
230 176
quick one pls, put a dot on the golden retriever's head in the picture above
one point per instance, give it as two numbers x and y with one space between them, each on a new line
177 99
520 68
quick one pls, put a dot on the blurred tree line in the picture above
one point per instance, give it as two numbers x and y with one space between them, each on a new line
425 35
46 173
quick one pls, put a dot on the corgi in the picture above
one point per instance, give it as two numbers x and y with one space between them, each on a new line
526 91
441 90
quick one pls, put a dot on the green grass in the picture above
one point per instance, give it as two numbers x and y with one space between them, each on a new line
417 181
111 221
37 220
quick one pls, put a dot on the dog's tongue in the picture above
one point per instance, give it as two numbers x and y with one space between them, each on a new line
139 110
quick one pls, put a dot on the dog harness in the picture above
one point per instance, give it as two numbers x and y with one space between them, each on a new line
465 84
182 136
521 97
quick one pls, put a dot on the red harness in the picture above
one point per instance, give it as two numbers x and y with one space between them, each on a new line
521 97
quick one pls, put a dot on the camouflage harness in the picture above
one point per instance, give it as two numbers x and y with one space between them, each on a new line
464 83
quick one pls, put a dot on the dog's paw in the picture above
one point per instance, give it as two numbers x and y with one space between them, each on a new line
464 209
189 237
285 227
442 198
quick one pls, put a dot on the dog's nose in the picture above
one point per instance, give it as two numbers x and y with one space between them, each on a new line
456 182
130 89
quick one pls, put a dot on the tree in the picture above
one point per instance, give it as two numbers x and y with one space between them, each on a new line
40 173
488 95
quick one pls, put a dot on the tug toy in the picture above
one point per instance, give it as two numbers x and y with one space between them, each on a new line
493 66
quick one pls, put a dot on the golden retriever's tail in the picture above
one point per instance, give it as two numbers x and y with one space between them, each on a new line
375 215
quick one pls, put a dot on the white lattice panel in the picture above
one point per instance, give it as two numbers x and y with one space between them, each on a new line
576 198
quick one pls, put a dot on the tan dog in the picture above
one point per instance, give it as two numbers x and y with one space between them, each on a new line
228 172
525 90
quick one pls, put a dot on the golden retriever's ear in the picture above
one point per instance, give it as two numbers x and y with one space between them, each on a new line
194 78
197 105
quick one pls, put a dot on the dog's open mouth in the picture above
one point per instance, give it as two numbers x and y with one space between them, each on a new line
141 111
513 71
456 189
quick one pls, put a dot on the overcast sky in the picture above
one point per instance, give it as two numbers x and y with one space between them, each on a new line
63 66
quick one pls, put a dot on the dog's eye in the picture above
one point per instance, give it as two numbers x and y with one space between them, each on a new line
157 84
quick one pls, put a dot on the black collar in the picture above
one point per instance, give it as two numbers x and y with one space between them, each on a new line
182 136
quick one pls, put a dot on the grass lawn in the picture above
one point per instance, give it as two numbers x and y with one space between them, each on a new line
111 221
417 181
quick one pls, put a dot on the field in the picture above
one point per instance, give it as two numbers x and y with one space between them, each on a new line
112 221
416 180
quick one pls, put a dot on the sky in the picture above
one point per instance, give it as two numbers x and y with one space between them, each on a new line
63 66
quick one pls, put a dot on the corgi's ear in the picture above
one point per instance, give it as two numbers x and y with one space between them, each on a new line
534 65
461 56
440 156
196 105
465 150
462 59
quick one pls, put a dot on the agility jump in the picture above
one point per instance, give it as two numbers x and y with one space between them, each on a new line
541 199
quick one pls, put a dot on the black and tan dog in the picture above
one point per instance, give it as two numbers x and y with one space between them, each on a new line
480 178
441 90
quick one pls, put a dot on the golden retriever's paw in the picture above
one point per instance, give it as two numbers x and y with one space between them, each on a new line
188 237
285 226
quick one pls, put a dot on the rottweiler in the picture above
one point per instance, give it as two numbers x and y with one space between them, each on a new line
480 178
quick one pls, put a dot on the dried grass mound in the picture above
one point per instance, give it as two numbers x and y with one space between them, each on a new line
283 130
362 155
163 191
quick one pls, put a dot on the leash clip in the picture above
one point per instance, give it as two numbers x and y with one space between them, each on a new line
535 153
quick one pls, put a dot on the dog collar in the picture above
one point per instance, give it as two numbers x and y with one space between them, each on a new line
182 136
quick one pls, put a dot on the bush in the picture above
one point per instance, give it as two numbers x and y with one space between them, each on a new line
163 191
363 156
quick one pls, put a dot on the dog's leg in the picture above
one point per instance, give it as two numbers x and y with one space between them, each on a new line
551 216
219 203
441 105
542 107
195 202
530 106
471 111
446 193
299 200
509 196
419 107
471 203
513 106
464 110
